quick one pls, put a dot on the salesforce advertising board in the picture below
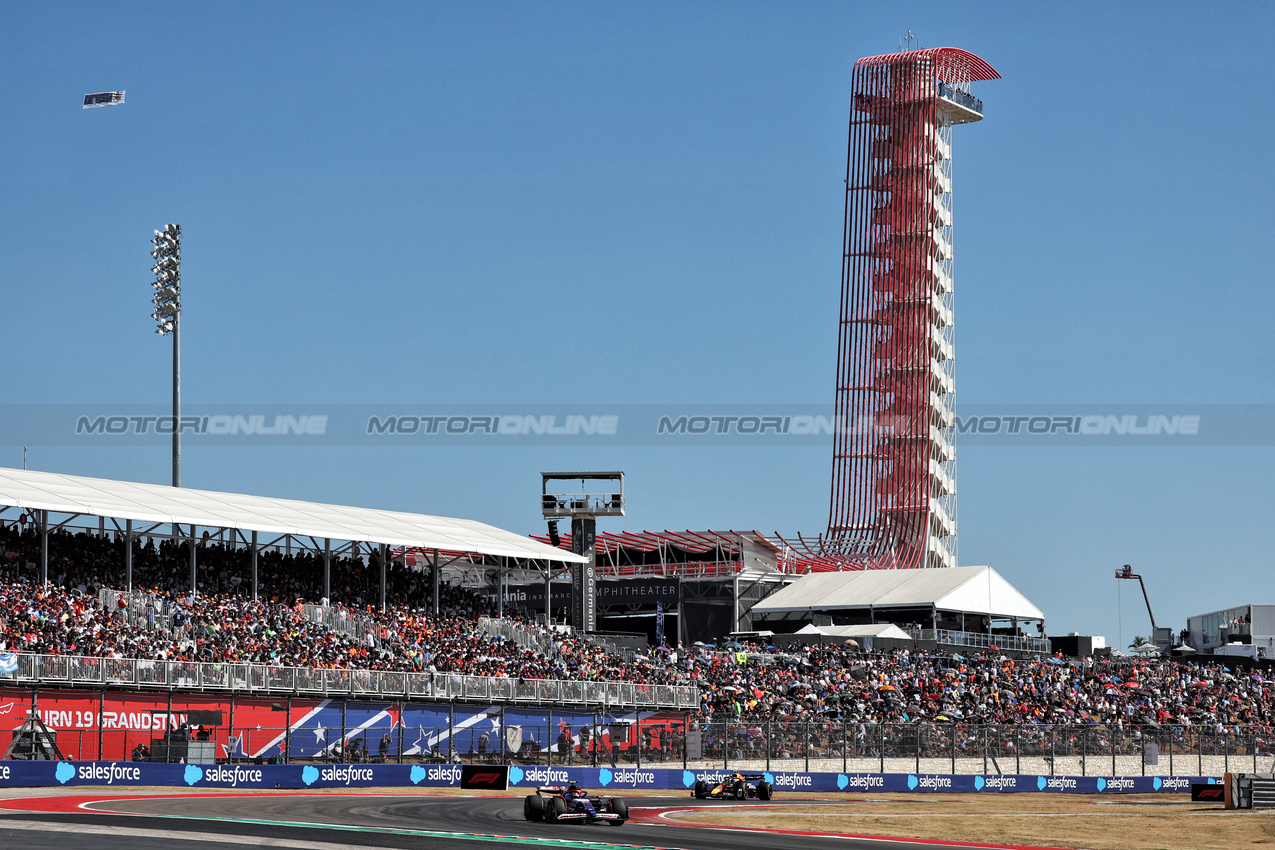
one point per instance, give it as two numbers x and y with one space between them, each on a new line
248 776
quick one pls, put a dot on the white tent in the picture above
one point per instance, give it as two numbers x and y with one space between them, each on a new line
973 590
863 630
161 504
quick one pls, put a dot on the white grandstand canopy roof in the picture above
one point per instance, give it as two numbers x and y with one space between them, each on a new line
975 590
157 503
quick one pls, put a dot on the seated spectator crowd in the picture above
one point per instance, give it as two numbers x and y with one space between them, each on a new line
750 682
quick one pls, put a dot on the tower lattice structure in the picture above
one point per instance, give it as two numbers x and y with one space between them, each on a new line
893 500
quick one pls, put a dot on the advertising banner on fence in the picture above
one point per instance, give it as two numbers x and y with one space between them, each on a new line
299 776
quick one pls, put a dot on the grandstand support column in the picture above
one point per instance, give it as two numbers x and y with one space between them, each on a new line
128 556
327 569
44 548
194 586
500 610
254 566
382 587
548 593
438 580
287 732
382 554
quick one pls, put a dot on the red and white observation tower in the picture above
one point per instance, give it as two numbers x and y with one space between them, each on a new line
893 500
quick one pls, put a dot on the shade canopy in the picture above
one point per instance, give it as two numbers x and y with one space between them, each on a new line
157 503
974 590
863 630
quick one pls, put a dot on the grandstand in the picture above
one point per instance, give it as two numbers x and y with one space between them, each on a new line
297 678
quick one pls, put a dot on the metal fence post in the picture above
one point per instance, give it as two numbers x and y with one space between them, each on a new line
1199 750
805 744
230 756
953 728
168 726
1018 752
845 746
917 737
1053 748
504 757
101 710
881 749
549 739
402 712
686 733
638 714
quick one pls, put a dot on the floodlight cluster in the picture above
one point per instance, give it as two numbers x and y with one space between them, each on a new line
167 283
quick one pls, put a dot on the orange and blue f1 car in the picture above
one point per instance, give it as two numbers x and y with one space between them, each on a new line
737 786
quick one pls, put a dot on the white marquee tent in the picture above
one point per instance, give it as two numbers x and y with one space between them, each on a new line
972 590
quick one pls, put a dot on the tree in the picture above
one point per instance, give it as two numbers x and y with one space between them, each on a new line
1138 641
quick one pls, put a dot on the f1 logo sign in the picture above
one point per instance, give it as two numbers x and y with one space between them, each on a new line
480 777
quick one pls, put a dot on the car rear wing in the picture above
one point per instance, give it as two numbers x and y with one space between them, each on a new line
550 789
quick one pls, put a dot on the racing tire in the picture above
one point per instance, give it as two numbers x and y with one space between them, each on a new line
701 789
554 807
533 807
739 790
765 791
620 809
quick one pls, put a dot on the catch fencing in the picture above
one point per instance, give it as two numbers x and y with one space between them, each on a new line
88 671
964 749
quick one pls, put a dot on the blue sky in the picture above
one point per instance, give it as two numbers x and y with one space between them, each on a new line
616 203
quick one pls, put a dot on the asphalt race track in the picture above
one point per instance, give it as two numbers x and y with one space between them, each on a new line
331 821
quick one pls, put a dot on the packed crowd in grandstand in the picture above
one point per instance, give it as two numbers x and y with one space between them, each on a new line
747 682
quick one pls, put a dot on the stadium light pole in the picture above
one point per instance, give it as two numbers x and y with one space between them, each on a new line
167 316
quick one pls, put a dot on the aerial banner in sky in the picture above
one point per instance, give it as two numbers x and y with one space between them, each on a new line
104 98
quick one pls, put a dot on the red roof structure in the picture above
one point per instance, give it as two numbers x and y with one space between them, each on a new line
950 64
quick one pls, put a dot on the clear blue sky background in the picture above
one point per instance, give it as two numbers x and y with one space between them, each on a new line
437 202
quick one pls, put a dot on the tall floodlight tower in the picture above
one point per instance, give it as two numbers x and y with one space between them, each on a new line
167 315
894 461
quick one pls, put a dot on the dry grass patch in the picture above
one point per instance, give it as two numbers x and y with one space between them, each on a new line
1130 822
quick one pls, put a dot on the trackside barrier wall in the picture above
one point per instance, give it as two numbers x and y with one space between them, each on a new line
295 776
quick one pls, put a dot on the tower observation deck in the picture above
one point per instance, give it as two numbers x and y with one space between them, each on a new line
893 502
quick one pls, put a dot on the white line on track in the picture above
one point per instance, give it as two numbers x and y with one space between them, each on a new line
168 837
